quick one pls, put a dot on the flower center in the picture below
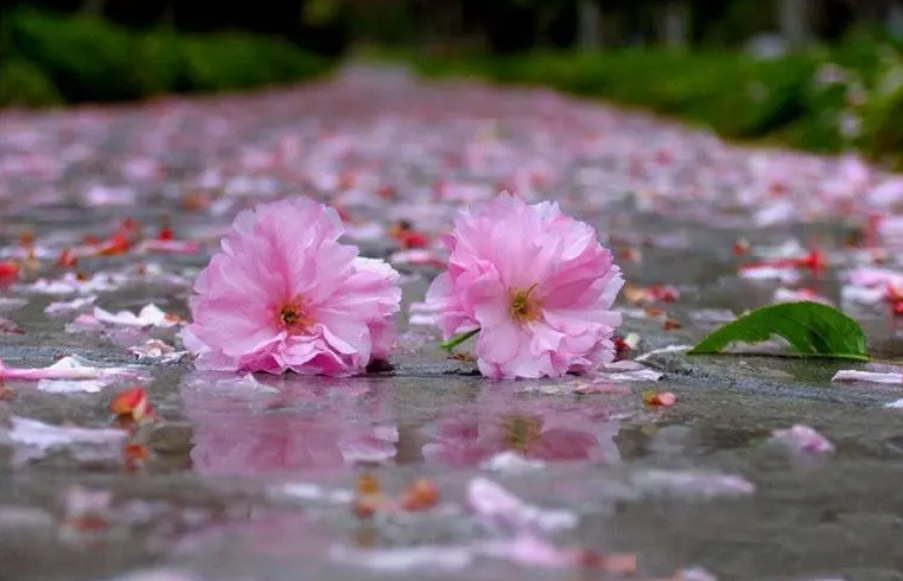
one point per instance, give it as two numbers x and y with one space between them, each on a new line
522 306
293 316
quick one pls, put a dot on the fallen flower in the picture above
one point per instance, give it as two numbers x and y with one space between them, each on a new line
663 399
407 237
164 574
165 233
8 326
803 439
740 247
134 455
510 461
420 495
691 574
534 283
66 368
67 259
84 322
624 346
284 294
528 549
149 316
662 351
404 559
670 323
369 498
625 371
34 439
786 295
304 491
169 246
8 304
869 285
867 276
652 294
868 376
815 261
494 502
417 257
524 549
8 271
785 274
422 314
156 350
115 245
132 404
73 305
26 238
703 483
86 511
72 283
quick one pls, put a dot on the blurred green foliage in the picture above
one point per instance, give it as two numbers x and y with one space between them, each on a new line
22 82
48 59
824 100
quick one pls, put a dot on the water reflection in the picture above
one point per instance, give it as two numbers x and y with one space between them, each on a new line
293 426
243 426
536 427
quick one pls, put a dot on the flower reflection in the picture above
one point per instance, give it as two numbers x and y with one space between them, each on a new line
534 428
301 424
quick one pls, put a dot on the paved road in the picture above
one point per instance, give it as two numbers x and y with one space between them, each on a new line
250 479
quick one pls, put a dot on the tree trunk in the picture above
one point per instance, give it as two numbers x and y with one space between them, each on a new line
793 16
169 16
610 28
895 19
589 22
676 29
93 7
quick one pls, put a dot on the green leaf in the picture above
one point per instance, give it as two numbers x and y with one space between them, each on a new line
811 330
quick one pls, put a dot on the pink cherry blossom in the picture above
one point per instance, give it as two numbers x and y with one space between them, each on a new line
536 282
284 294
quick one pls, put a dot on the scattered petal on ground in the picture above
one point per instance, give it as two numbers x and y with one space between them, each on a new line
852 375
149 316
803 439
491 500
308 492
68 306
511 462
663 350
33 439
401 560
700 483
70 373
157 350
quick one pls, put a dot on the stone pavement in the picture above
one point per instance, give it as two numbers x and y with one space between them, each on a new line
252 479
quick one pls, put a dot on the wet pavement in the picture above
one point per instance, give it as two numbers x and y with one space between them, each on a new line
254 478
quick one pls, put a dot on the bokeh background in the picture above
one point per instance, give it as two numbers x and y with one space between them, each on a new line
821 75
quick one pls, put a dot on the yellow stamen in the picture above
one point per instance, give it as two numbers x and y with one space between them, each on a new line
293 316
521 307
